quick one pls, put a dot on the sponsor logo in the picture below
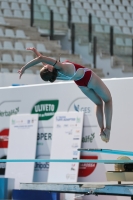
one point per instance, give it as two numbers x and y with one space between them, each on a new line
78 120
33 120
88 138
28 121
85 169
13 121
65 125
73 125
75 138
77 135
3 165
70 176
75 145
21 124
4 138
86 106
73 167
69 132
85 109
44 136
64 118
41 166
81 105
75 153
8 113
58 126
45 109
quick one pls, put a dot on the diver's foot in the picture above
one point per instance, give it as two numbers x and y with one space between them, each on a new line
105 135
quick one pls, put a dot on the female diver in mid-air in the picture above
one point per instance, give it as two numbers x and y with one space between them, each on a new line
89 83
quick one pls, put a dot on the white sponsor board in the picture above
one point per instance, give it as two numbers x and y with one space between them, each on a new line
67 131
61 97
22 145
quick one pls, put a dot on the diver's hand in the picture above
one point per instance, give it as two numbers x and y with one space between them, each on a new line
32 49
21 71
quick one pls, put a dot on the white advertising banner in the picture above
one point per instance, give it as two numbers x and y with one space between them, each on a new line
67 136
48 99
22 145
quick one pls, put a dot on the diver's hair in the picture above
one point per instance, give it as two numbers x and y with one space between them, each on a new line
46 75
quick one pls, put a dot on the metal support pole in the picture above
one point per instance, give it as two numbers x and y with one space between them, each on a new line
69 14
111 40
51 25
73 38
90 28
94 50
32 13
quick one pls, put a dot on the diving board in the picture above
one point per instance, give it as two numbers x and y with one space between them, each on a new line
83 188
109 151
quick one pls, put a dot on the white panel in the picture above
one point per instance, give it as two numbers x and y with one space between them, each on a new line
67 135
21 146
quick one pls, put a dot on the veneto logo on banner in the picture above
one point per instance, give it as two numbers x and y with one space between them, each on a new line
4 138
81 105
87 107
45 109
85 169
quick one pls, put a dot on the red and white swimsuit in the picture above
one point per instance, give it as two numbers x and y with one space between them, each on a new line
82 81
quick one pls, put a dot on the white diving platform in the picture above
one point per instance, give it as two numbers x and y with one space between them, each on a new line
121 183
113 189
